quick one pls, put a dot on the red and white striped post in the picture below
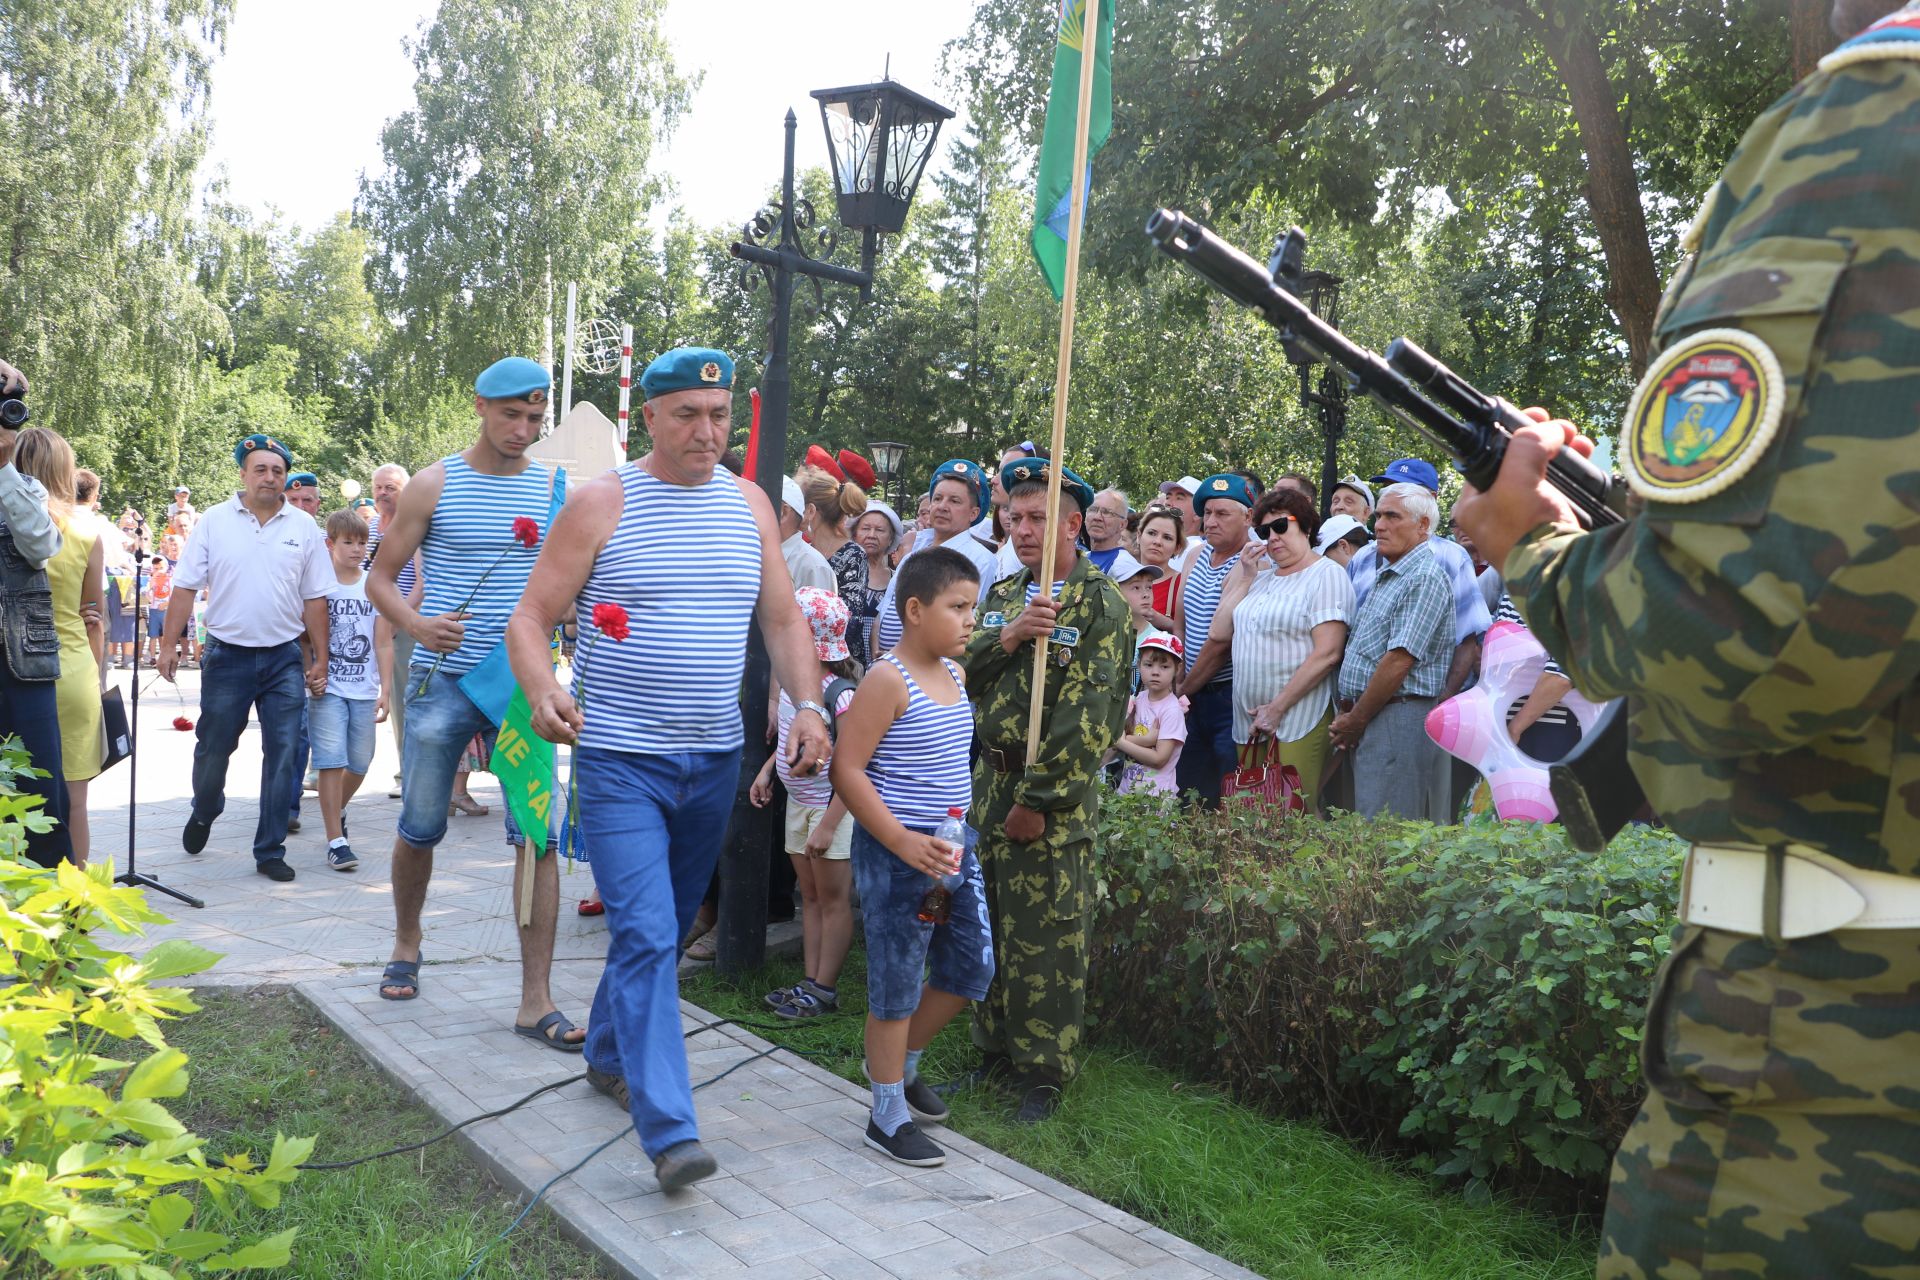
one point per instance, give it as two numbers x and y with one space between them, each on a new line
626 378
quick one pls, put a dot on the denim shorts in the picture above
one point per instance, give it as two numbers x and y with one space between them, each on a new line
439 723
341 731
956 957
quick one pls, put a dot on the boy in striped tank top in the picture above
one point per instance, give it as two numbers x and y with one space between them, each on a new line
901 768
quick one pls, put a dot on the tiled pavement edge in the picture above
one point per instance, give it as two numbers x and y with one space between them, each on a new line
798 1194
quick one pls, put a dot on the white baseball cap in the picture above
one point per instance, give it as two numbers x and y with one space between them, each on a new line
1358 485
1125 567
1335 528
791 495
1190 483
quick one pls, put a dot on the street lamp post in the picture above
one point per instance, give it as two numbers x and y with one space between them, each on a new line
879 139
1320 290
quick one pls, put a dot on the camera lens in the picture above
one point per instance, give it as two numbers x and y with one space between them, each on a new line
13 413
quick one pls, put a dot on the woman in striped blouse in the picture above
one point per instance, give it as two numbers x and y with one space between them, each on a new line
1285 610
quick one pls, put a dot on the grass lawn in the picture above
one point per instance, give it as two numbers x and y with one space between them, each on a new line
263 1062
1282 1198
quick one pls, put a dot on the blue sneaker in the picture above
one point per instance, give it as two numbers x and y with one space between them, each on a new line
340 857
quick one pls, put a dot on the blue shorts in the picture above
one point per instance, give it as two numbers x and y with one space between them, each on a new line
956 957
341 731
439 723
156 622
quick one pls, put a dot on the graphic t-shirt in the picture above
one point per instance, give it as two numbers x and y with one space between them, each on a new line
352 669
1167 721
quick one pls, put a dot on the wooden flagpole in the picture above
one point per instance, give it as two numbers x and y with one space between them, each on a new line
1076 207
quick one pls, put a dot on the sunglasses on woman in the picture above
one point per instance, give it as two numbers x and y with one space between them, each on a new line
1273 528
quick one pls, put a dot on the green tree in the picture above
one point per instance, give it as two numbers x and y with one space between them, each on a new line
523 165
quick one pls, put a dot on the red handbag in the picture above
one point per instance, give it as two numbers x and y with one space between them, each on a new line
1262 781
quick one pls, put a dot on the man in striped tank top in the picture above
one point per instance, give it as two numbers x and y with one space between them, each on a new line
458 514
655 719
1224 503
1037 816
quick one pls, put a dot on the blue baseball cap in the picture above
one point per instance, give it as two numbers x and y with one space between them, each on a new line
1410 471
969 471
514 378
687 369
1226 485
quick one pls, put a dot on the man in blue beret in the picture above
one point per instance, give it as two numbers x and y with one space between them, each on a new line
303 491
1223 503
689 555
263 564
1038 814
459 516
957 496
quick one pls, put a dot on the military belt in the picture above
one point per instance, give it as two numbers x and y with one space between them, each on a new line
1796 892
1005 759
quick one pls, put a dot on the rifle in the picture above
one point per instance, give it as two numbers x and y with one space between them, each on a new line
1593 786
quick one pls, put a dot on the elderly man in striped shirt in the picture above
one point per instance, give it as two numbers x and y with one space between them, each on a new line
1396 665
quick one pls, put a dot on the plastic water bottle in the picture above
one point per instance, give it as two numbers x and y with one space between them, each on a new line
937 903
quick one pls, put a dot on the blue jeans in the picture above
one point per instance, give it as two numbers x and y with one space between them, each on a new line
235 680
956 957
27 708
1209 750
653 826
343 733
302 751
439 723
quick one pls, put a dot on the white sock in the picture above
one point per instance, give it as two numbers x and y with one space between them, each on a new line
890 1106
336 842
913 1066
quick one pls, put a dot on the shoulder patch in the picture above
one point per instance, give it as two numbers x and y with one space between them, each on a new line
1704 413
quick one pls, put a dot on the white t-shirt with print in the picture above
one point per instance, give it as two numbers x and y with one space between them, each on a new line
353 670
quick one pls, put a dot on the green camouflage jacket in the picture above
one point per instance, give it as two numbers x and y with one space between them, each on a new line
1762 611
1085 695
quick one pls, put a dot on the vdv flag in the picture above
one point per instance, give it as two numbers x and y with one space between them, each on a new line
1053 195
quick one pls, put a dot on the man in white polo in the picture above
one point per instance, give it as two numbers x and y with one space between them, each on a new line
263 564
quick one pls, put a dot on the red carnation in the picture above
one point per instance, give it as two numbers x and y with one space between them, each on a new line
526 532
182 723
611 621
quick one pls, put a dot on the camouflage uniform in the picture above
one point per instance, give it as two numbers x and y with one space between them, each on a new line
1038 894
1767 633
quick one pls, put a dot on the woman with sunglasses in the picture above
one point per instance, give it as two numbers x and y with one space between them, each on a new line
1285 609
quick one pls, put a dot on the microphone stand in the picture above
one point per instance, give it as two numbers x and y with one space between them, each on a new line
132 875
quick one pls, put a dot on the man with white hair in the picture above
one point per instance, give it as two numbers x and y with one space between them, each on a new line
1396 665
1107 527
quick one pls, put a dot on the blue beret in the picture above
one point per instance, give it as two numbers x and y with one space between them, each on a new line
514 378
257 441
971 473
687 369
1023 470
1223 485
303 480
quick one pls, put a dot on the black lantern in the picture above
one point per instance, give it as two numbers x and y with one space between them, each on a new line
879 138
888 457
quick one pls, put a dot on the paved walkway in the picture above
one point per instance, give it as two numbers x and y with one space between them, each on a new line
798 1196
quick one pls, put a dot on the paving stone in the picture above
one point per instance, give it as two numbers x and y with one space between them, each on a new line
1084 1254
767 1237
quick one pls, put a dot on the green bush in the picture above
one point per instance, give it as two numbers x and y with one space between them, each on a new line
92 1165
1469 995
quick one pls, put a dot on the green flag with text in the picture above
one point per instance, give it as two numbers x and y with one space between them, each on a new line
523 761
1054 187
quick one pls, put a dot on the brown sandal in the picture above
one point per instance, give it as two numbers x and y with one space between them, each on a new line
467 805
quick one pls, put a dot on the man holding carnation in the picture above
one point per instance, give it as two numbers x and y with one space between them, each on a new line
477 519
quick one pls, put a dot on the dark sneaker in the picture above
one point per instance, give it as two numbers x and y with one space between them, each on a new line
782 995
805 1004
275 869
293 825
927 1106
1039 1099
683 1164
995 1071
340 857
613 1086
194 838
907 1145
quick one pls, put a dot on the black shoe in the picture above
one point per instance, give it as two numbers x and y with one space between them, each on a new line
613 1086
275 869
995 1071
293 825
1039 1099
194 838
907 1145
683 1164
927 1106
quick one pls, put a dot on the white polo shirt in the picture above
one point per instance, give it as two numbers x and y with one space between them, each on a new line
258 577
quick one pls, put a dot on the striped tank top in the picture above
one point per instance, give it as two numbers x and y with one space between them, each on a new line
1200 598
470 538
405 579
684 563
920 765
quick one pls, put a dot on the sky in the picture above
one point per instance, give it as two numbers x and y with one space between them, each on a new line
303 89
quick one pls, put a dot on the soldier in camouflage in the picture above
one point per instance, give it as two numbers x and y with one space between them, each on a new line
1762 614
1038 815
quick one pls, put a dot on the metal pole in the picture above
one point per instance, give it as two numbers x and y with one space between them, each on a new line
742 922
626 382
